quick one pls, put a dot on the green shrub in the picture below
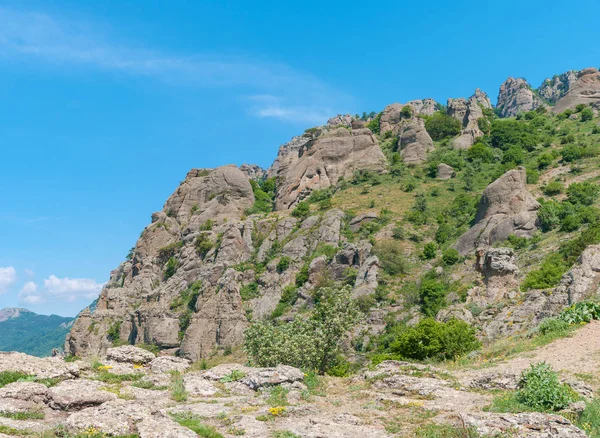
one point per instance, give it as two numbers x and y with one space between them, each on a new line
430 339
517 242
570 223
450 257
549 215
508 132
429 251
540 389
263 196
584 193
203 244
168 251
432 295
587 114
553 188
7 377
283 263
186 304
302 275
547 275
114 332
392 258
551 326
513 154
571 153
249 291
311 343
208 225
441 125
589 420
373 125
480 152
302 210
171 268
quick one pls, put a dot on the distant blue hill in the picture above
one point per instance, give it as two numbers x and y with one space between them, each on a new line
27 332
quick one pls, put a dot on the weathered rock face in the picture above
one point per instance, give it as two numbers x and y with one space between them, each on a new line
506 208
187 300
224 192
253 171
413 141
499 269
584 90
323 160
553 89
525 425
583 280
343 120
392 116
468 112
516 96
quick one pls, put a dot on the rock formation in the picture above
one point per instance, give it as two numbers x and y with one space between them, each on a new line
321 161
506 208
516 96
468 112
585 90
391 116
413 141
445 172
340 120
553 89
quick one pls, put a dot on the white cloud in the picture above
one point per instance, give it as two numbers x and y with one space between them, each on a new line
8 277
29 295
66 44
71 289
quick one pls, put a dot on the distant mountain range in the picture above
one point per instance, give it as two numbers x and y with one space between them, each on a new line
27 332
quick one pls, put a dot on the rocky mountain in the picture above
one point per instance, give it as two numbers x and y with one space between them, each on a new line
27 332
372 248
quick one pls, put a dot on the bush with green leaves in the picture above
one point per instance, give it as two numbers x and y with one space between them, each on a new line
185 303
203 244
450 257
283 263
547 275
540 389
440 126
480 152
432 295
584 193
587 114
392 258
430 339
553 326
549 215
429 251
311 343
509 132
302 210
264 194
553 188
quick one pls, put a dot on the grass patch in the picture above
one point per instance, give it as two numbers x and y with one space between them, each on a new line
194 423
278 396
507 403
177 387
14 432
23 415
284 434
110 378
589 420
144 384
7 377
445 431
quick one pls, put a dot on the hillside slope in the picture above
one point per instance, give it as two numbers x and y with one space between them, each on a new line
27 332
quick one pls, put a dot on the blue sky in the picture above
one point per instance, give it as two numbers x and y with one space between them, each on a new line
105 105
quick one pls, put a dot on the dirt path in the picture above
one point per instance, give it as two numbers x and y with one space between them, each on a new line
577 354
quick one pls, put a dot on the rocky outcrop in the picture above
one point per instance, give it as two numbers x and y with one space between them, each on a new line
392 116
343 120
414 143
288 154
130 354
506 208
584 90
468 112
222 193
525 425
516 96
553 89
323 160
583 280
499 269
253 171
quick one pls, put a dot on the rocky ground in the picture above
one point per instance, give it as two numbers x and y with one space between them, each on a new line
133 393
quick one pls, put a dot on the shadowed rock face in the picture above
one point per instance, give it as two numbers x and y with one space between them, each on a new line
322 160
516 96
584 90
506 208
555 88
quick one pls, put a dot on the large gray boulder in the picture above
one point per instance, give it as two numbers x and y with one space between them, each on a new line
323 160
524 425
414 143
506 208
585 90
130 354
583 279
516 96
468 112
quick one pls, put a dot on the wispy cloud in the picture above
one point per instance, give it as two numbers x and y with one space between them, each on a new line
301 97
60 289
8 277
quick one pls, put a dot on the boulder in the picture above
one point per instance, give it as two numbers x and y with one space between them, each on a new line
392 116
74 395
253 171
43 368
363 218
258 378
499 269
197 386
468 112
322 161
445 172
165 364
340 120
506 208
130 354
525 425
584 90
516 96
